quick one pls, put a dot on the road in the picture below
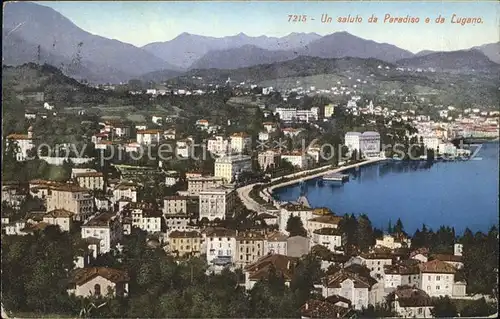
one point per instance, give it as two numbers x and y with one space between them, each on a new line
244 192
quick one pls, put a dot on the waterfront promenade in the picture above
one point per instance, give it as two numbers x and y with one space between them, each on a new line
266 194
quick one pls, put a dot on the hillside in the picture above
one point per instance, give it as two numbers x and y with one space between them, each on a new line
454 61
241 57
62 43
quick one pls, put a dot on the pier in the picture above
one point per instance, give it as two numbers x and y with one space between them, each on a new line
336 177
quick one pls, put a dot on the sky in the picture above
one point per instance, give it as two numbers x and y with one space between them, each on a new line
140 23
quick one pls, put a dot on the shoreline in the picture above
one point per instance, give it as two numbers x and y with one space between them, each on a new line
267 193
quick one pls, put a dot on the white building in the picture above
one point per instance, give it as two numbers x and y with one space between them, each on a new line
391 242
218 145
275 243
376 264
127 190
368 143
240 142
220 244
183 148
263 136
437 278
149 220
107 228
431 142
228 167
59 217
411 302
289 210
23 142
217 203
352 286
148 137
286 114
458 249
330 238
297 159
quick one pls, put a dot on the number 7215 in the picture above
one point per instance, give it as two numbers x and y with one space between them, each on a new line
297 18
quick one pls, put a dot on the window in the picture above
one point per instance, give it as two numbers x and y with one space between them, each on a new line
438 278
429 278
97 289
437 287
420 311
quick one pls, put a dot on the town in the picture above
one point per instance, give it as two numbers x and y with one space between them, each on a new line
209 204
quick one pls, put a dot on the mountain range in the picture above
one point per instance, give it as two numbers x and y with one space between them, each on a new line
35 33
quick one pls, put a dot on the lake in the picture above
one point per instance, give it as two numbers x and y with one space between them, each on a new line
459 194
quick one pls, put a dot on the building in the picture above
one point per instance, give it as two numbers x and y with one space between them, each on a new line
286 114
170 134
393 242
332 307
297 246
240 142
202 183
90 180
76 171
216 203
72 198
455 261
276 243
329 110
290 210
218 145
228 167
368 143
351 285
437 278
410 302
148 137
270 126
175 205
330 238
59 217
105 227
98 281
402 273
180 222
458 249
146 217
185 243
221 246
23 142
268 159
282 265
249 247
184 148
125 190
297 159
324 221
376 263
431 142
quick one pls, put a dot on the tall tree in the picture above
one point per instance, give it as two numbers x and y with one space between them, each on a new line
295 226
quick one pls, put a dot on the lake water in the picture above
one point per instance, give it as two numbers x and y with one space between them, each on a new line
459 194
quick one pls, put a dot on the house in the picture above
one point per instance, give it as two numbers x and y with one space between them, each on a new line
240 142
184 148
218 145
202 183
220 246
326 309
175 205
217 203
148 137
410 302
259 270
178 222
269 219
98 281
393 242
275 243
402 273
24 143
263 136
202 124
351 285
437 278
169 134
90 180
293 210
228 167
72 198
249 247
268 159
185 243
420 254
455 261
376 263
126 190
61 217
107 228
146 217
297 159
330 238
321 220
458 249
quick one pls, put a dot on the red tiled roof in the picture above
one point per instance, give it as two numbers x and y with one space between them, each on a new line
82 275
436 267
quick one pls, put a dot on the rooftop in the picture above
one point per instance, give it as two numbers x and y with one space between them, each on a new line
437 267
82 275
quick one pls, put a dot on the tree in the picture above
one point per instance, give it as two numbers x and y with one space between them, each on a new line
398 228
477 308
364 233
443 307
295 227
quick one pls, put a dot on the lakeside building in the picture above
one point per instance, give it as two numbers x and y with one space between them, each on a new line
268 159
217 203
368 143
